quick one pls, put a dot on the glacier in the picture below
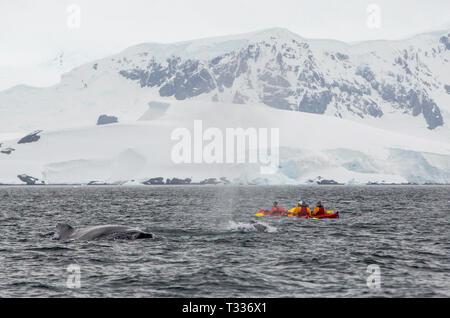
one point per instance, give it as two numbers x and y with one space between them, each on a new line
311 146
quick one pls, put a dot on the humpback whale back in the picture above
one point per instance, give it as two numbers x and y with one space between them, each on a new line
64 231
67 232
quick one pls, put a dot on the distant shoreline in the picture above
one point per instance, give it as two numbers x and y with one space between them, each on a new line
221 185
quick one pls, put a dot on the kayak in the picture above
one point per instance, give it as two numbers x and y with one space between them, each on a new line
328 215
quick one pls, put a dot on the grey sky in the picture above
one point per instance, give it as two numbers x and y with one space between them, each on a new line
31 31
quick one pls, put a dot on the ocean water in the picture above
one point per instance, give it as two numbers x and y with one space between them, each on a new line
206 244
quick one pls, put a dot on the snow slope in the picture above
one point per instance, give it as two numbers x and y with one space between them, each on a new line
47 72
310 146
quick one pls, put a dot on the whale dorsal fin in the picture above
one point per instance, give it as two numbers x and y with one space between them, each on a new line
64 230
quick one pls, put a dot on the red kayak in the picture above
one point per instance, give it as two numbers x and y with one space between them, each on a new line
328 215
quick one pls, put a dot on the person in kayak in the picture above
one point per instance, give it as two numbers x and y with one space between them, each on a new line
319 210
277 209
295 211
302 209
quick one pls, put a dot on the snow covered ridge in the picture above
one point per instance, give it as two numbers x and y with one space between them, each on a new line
285 71
133 152
380 81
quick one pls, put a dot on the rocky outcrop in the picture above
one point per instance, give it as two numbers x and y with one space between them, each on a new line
90 183
6 150
33 137
416 102
29 180
447 89
154 181
210 181
175 78
315 103
446 41
106 120
328 182
178 181
187 181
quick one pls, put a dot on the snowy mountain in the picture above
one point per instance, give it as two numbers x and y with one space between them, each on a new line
372 111
370 80
285 71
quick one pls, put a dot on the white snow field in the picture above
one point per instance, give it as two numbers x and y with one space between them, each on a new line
311 146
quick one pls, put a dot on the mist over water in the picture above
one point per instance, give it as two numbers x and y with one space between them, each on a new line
206 244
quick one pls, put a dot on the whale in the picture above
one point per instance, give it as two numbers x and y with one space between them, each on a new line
260 227
65 232
252 226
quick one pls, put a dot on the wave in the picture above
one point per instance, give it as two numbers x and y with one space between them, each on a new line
250 227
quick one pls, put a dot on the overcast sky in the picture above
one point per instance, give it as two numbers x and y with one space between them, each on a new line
32 30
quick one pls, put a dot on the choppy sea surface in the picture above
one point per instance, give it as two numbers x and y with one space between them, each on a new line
207 245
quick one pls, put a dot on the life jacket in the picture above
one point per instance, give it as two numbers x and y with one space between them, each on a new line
277 210
305 211
296 210
319 210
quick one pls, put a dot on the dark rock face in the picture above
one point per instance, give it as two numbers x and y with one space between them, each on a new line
315 103
178 181
154 181
446 41
447 88
33 137
328 182
29 180
179 79
342 57
188 84
415 101
372 108
277 80
210 181
106 120
228 67
368 75
432 114
7 151
91 183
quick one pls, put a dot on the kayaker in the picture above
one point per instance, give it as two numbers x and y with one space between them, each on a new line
319 210
304 209
296 211
277 209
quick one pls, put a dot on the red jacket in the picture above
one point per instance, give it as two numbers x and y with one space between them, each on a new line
319 211
277 210
305 211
